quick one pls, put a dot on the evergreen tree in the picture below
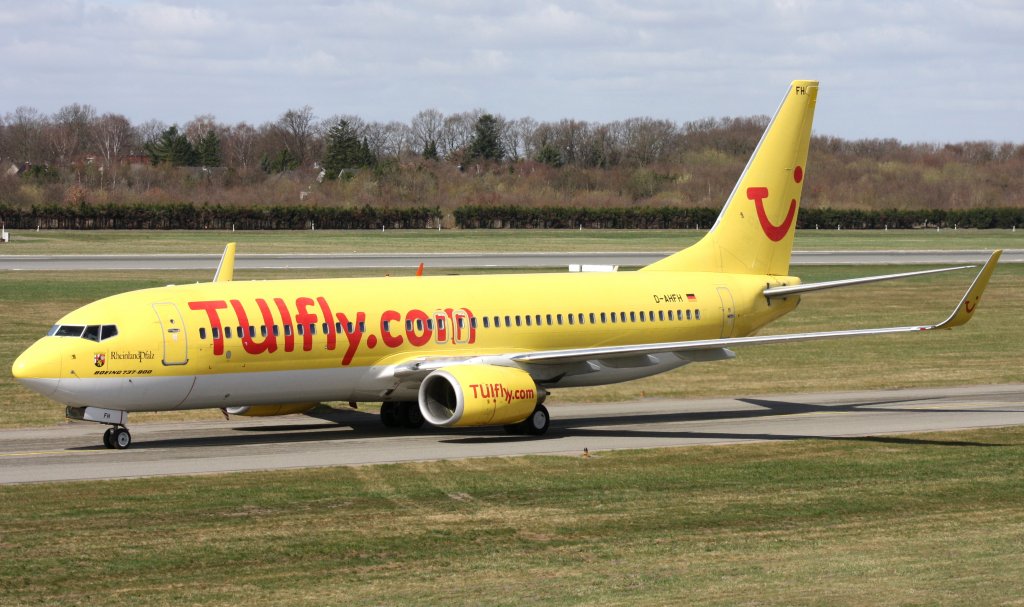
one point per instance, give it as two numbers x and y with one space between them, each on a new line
549 156
173 148
486 143
430 150
279 163
345 151
208 150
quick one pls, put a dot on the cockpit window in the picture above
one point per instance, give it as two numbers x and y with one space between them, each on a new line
90 332
69 331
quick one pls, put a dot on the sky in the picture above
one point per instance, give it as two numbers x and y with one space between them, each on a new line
930 71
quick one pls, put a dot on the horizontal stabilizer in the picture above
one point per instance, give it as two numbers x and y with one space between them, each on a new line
832 284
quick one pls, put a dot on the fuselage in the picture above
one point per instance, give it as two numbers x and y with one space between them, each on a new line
231 344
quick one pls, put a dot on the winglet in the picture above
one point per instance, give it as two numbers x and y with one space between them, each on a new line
226 267
965 309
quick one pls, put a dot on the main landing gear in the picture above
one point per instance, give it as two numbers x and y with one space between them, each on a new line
404 414
117 435
535 425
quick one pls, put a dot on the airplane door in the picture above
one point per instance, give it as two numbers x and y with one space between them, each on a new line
728 311
173 329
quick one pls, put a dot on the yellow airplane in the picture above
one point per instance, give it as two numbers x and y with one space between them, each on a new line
451 350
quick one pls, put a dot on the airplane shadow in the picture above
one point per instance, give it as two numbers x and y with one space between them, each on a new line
348 424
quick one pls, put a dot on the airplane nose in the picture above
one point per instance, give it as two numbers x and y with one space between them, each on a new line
38 369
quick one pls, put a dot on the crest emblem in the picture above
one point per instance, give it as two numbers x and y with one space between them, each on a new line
99 359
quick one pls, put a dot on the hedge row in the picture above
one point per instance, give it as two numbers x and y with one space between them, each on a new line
650 217
215 217
192 217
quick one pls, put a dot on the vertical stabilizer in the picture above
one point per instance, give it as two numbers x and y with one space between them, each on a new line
754 232
226 267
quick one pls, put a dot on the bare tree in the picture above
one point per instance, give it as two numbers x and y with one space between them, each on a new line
426 129
25 135
457 131
148 132
297 130
112 135
198 127
240 142
69 131
515 135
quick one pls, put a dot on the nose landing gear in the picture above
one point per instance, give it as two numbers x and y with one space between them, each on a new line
117 435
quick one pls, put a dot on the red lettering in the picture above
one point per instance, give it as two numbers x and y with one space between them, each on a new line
386 320
269 343
305 318
211 307
332 336
354 337
286 320
417 318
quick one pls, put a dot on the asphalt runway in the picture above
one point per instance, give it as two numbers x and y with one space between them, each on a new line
73 451
400 261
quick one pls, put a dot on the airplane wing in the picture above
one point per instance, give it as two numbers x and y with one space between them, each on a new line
959 316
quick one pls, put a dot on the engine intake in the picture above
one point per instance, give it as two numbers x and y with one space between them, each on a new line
477 395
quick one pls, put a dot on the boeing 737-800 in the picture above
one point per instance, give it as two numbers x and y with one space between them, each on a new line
450 350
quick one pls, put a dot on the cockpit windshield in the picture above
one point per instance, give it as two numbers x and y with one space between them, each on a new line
90 332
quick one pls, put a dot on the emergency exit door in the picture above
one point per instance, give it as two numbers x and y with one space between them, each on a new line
728 311
175 340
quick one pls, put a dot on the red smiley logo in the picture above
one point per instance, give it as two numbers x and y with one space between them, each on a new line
774 232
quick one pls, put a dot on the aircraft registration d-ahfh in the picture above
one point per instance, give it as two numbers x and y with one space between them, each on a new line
453 351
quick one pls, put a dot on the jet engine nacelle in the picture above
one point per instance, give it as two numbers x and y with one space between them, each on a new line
270 410
477 395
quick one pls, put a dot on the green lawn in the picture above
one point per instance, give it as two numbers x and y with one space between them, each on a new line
932 519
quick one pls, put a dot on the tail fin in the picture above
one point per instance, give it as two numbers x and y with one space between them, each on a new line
754 232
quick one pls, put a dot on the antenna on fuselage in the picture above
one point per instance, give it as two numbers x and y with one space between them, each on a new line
226 267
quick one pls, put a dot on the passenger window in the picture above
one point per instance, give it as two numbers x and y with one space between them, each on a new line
386 325
571 318
216 333
593 319
202 332
497 321
362 327
252 331
670 316
613 317
537 319
419 325
689 315
472 322
622 317
276 331
696 314
227 332
287 330
528 321
519 321
92 333
263 330
661 315
351 328
337 327
300 329
508 321
549 320
240 334
632 317
581 318
486 323
326 328
559 317
312 328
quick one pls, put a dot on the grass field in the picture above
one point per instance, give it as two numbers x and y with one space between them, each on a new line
911 520
988 350
67 242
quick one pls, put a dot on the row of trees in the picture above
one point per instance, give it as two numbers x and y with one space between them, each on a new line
468 159
76 132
